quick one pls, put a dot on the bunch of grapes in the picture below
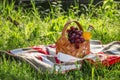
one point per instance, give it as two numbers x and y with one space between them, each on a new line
75 36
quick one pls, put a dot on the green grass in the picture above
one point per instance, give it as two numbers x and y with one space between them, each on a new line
36 28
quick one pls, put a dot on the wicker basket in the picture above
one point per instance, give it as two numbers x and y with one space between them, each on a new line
63 45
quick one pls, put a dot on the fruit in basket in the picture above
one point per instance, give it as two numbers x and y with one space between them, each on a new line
72 41
75 36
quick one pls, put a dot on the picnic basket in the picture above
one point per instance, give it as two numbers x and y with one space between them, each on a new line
63 45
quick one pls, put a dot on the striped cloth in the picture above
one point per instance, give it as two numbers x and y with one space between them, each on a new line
44 57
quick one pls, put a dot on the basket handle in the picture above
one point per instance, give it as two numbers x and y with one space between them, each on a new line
67 24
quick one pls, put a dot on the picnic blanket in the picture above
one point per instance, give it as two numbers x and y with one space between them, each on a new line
44 57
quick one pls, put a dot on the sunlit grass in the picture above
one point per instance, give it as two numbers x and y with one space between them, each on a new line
34 29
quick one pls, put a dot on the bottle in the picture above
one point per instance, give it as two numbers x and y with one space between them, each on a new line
87 34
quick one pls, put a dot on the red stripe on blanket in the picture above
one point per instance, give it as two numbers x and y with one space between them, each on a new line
40 58
52 46
111 60
57 60
41 50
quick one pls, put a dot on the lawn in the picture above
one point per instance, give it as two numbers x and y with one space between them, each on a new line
43 27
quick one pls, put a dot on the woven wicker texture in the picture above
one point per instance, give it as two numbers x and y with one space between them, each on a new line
63 44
